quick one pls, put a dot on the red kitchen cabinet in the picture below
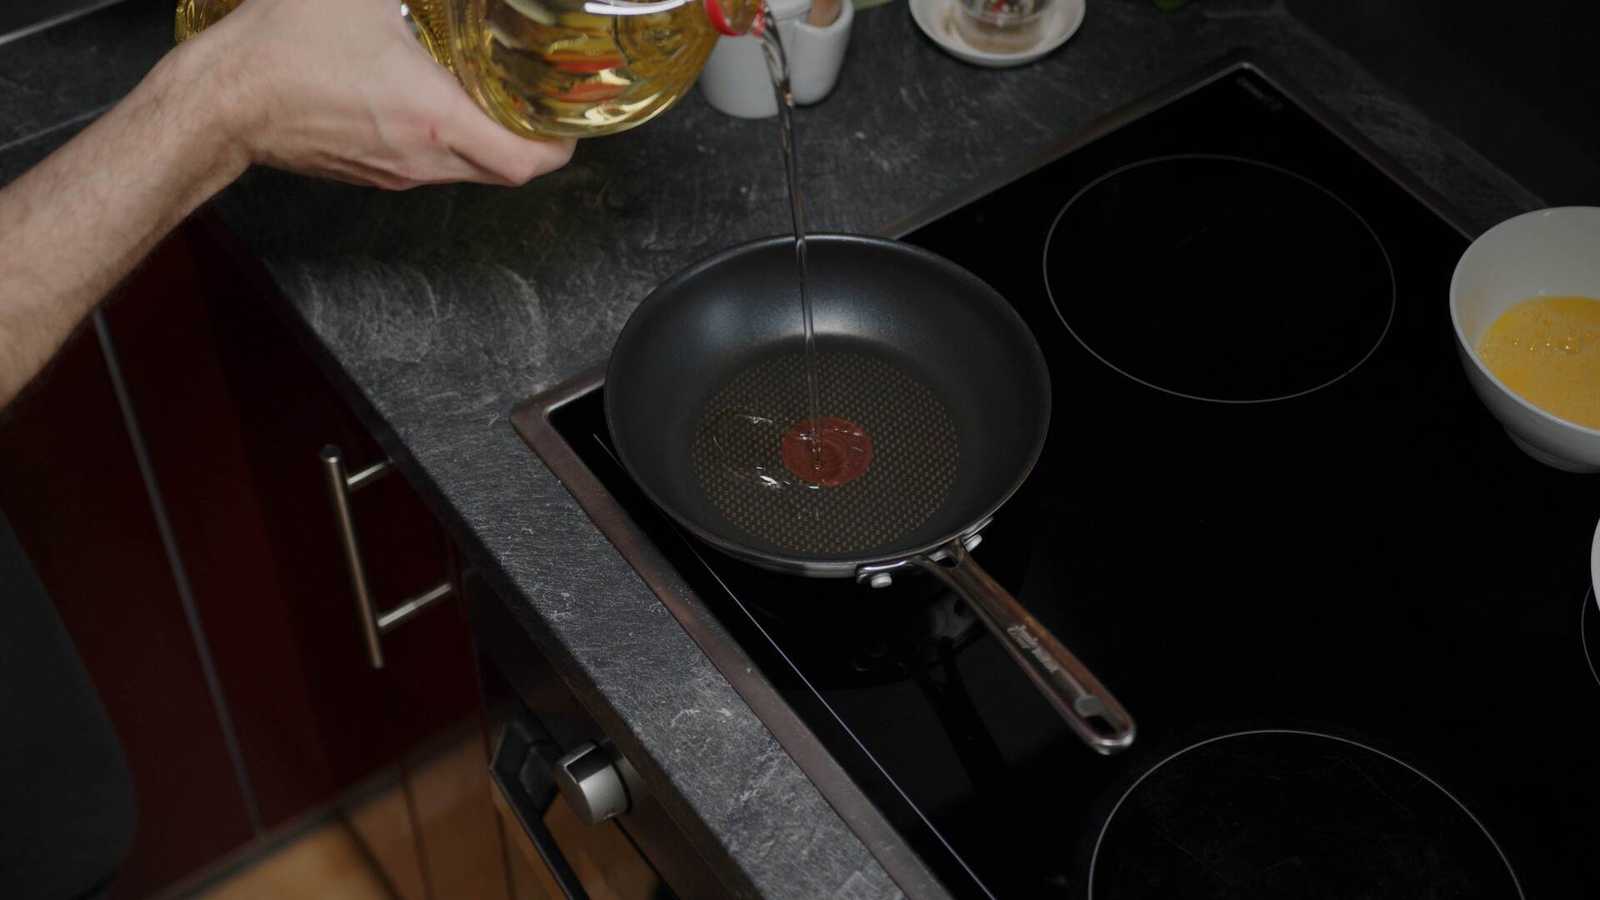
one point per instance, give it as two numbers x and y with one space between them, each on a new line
236 412
233 412
191 427
70 484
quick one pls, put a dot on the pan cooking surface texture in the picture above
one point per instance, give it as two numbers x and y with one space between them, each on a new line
915 454
1349 621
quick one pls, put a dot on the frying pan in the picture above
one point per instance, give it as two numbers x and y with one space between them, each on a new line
931 362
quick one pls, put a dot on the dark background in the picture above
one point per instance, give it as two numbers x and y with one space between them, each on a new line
1517 81
16 15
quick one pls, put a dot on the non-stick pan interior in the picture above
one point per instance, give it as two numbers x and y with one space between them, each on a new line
927 359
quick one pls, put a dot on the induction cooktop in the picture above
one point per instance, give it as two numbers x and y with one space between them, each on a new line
1350 618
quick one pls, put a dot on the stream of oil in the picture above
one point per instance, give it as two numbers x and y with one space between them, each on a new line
778 67
817 451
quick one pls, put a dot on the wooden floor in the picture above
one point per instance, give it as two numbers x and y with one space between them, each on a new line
368 849
325 863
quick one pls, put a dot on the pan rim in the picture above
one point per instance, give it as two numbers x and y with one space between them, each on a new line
821 566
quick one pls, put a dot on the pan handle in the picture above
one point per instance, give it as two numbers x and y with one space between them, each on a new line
1072 689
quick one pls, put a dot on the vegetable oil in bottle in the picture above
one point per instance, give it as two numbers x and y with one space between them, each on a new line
559 68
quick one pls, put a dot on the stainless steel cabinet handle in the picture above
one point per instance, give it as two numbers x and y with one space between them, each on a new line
374 624
591 784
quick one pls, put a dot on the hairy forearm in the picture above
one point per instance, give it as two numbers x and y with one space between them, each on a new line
335 88
77 223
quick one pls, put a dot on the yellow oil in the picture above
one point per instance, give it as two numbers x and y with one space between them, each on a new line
568 73
194 16
1547 350
547 68
433 29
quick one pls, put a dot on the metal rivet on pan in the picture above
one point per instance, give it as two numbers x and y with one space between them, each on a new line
881 580
972 541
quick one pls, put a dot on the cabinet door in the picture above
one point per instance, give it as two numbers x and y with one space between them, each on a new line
70 483
233 413
196 434
365 718
236 412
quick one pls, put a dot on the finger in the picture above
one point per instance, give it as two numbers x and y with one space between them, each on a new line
355 172
459 169
489 145
437 162
464 130
348 171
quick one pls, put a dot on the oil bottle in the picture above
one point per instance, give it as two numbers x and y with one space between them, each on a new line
559 68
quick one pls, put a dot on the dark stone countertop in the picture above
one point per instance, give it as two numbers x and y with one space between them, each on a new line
441 308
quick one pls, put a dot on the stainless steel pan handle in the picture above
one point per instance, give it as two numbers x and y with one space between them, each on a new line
1072 689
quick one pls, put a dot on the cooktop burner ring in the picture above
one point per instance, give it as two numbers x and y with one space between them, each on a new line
1589 600
1352 358
1105 825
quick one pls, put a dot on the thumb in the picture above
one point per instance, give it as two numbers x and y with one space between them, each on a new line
493 147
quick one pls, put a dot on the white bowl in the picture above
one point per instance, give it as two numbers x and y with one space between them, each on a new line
1548 252
735 78
934 17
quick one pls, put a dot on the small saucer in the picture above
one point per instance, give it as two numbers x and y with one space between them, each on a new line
936 19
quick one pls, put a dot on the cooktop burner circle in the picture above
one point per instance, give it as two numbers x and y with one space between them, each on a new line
1587 622
1285 813
1219 278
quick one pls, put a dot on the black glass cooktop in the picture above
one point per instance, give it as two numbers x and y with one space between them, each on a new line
1347 614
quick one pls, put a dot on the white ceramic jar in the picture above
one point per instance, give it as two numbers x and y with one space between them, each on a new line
735 78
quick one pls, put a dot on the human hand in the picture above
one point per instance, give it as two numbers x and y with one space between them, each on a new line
341 89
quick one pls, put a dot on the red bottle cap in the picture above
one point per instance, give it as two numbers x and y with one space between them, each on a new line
719 20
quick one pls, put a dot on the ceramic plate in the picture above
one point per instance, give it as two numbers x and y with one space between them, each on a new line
935 18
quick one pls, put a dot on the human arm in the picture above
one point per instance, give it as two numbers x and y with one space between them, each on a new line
336 88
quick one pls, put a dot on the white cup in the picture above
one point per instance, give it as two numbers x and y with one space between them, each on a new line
1548 252
735 78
